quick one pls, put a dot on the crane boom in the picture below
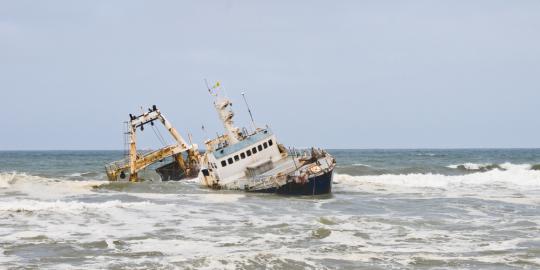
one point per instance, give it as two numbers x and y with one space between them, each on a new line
136 162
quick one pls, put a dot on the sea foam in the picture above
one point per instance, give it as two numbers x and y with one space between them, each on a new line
43 187
469 166
511 175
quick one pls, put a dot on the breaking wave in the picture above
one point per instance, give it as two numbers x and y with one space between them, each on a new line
44 187
505 174
66 206
361 165
483 167
430 155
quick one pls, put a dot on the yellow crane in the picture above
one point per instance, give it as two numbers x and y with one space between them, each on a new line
136 162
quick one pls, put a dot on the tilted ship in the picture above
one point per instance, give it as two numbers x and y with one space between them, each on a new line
256 162
237 160
185 157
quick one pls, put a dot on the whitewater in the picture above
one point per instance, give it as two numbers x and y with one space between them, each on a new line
390 209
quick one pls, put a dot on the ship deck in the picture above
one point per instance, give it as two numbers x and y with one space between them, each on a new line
285 165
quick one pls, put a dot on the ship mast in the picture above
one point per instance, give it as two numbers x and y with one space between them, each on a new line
223 107
249 111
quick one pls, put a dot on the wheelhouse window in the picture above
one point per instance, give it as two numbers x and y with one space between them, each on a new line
236 158
265 145
248 153
260 147
254 150
223 163
242 155
270 142
230 160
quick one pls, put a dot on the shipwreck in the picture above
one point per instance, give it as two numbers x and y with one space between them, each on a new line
252 161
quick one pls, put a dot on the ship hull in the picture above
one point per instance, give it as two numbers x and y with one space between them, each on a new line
316 185
173 172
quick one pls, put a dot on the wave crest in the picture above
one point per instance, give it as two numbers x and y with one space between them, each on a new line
66 206
45 187
483 167
509 175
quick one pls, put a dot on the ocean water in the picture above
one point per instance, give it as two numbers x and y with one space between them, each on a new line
390 209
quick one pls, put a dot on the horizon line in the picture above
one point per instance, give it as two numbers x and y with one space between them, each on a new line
374 148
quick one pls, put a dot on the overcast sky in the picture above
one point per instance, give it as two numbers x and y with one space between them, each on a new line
336 74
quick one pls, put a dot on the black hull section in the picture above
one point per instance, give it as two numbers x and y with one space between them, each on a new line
170 172
317 185
173 172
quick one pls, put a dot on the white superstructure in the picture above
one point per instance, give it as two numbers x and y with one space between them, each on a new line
236 156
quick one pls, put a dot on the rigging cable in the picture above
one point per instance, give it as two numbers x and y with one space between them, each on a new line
159 136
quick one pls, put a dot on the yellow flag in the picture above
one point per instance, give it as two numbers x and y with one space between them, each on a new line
216 86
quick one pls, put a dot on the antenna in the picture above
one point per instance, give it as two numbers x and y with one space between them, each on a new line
204 131
249 110
207 86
